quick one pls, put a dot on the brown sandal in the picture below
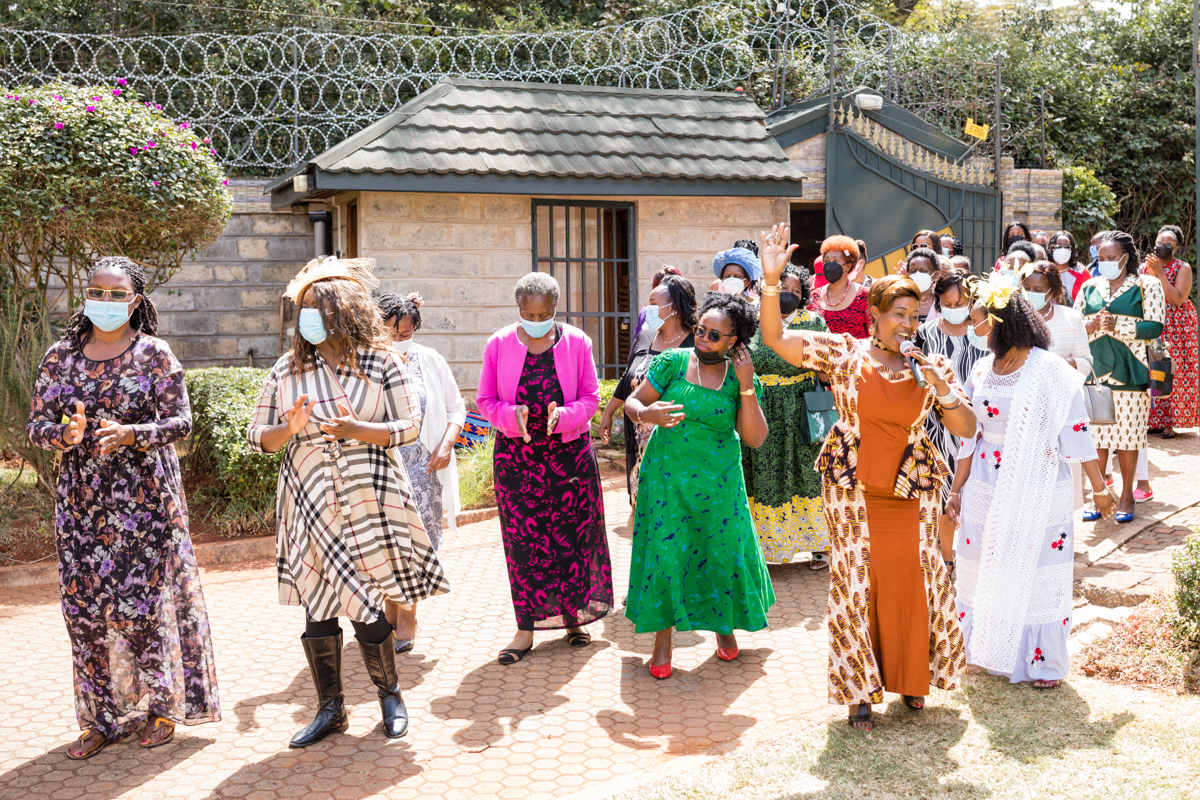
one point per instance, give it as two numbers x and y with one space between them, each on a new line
80 755
152 727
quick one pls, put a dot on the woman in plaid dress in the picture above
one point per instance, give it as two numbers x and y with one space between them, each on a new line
349 532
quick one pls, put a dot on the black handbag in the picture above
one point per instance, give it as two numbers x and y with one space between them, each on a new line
1162 376
819 416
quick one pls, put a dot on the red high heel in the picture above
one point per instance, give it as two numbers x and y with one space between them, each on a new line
728 653
661 671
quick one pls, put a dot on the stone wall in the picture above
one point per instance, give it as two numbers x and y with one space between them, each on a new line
463 253
225 302
1033 196
809 157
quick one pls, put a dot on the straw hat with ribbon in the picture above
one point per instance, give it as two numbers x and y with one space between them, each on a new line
321 268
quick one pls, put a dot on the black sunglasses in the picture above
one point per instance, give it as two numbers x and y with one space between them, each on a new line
713 336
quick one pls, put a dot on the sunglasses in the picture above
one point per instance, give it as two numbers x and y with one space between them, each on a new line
713 336
119 295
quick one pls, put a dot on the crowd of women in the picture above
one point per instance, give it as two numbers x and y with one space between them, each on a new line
781 418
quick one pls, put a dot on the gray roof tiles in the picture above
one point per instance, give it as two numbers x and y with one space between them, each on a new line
550 130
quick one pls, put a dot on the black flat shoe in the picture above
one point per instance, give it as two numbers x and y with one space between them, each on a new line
579 638
512 655
863 716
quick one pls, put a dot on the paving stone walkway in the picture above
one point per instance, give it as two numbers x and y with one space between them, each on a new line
563 722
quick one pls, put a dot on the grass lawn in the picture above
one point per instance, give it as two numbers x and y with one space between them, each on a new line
1088 739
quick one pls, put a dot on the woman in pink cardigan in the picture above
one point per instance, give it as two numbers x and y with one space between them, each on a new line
539 390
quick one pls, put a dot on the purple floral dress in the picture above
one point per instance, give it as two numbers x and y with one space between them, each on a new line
127 572
551 514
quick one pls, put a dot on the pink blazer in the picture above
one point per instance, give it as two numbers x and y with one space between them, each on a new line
503 361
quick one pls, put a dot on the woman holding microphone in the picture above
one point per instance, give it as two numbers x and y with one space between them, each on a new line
892 622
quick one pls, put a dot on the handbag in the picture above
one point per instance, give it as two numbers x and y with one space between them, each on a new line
1162 377
819 416
1098 399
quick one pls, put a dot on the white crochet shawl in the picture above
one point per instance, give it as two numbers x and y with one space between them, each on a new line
1016 521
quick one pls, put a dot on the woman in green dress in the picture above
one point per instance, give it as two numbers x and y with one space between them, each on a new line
784 487
696 560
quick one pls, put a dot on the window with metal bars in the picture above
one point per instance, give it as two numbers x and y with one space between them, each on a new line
589 249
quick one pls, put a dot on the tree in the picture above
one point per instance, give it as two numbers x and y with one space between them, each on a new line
87 172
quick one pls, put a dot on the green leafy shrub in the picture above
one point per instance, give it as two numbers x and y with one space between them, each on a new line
1185 563
476 488
223 401
617 438
1087 204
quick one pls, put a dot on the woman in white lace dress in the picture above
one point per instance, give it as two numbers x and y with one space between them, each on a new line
1013 494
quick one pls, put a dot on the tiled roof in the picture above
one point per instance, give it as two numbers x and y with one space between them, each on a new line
465 127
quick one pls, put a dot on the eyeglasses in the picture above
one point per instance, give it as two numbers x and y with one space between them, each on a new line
713 336
119 295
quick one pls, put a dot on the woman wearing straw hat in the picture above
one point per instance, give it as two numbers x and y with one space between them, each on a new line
349 532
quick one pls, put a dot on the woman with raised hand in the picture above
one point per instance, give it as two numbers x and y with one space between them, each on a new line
538 388
696 562
1122 311
111 398
1013 489
670 316
429 461
350 536
891 617
783 484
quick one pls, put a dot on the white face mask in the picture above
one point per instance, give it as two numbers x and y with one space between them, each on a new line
922 280
1110 270
733 286
1062 255
403 347
947 252
956 316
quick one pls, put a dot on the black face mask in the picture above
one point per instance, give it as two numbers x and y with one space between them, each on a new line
788 302
1164 252
832 271
708 357
1010 241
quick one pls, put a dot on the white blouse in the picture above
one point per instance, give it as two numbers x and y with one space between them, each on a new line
1069 339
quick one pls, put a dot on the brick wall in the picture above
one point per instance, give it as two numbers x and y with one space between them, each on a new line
464 253
1032 195
224 303
809 157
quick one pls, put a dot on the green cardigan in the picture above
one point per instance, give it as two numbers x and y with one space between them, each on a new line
1119 357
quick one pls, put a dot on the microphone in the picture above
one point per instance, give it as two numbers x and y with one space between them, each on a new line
907 348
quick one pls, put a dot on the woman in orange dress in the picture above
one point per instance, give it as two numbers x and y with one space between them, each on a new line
892 623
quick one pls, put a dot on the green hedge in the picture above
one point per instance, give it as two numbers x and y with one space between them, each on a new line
223 402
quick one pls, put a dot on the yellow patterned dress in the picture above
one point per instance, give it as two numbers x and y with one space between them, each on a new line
784 487
854 672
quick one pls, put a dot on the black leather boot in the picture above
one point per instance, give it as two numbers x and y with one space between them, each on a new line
325 663
381 666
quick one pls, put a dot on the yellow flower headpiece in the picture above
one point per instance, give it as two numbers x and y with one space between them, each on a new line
993 292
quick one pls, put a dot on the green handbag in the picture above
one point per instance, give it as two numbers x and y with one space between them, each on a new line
819 416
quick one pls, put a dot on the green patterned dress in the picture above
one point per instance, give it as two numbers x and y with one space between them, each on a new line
784 487
696 561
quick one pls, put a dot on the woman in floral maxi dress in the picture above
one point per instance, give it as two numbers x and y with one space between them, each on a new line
130 587
891 616
1182 408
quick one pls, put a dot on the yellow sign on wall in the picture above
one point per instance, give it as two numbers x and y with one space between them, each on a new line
978 131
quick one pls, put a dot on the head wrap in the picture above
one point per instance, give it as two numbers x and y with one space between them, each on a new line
324 267
743 258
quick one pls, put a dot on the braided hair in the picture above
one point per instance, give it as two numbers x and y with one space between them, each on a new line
1126 243
1175 231
144 317
397 307
749 244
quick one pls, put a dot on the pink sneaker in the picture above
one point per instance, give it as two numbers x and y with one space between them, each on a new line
1140 497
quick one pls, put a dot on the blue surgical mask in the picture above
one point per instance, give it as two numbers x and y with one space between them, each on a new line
537 330
311 326
956 316
1036 299
1111 270
1094 251
107 315
654 317
977 341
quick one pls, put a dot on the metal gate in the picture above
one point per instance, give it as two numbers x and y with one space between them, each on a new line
589 248
884 198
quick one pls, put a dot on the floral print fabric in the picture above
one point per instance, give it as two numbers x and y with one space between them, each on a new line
427 489
130 587
1182 408
551 514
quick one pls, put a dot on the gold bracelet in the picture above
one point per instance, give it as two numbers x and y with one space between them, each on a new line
772 290
749 391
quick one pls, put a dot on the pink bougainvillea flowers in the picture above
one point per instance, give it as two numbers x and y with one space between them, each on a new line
133 149
226 181
58 126
150 144
120 81
90 109
116 92
155 183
